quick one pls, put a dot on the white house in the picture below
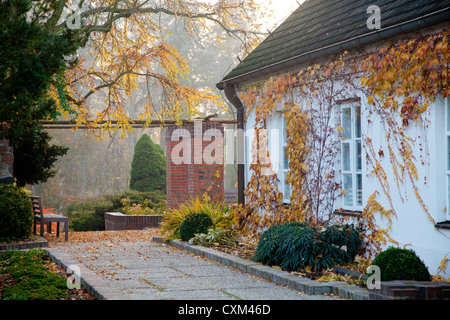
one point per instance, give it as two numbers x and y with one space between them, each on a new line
317 32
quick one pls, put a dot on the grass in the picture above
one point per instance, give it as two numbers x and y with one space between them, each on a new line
24 276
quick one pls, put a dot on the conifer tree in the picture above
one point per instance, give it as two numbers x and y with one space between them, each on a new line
148 168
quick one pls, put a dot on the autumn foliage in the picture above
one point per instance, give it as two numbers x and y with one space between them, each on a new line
400 82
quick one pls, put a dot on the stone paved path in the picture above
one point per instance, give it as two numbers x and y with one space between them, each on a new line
151 271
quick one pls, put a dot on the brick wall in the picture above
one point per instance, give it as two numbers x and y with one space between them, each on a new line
118 221
411 290
6 162
199 171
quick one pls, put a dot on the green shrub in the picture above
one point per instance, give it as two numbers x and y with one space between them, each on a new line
401 264
89 214
195 223
148 168
215 236
295 246
157 199
16 213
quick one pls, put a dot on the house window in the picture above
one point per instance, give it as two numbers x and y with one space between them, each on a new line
285 187
351 164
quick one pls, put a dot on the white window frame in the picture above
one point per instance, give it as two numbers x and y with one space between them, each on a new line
447 155
284 163
350 168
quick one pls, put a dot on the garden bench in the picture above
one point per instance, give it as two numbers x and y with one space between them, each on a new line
43 219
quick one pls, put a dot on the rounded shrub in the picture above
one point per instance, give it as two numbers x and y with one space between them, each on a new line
16 213
401 264
296 246
195 223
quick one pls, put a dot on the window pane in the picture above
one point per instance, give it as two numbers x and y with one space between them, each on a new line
448 152
359 189
358 121
287 188
448 194
347 122
285 159
448 114
348 196
346 156
358 155
284 130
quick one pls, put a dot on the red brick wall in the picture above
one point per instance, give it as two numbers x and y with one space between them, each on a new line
198 174
117 221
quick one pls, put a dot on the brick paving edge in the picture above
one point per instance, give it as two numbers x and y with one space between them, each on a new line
302 284
93 283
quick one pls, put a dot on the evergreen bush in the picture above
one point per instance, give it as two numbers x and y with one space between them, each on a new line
401 264
148 168
16 213
195 223
296 246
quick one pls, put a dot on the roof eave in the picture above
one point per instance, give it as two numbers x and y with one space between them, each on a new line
428 20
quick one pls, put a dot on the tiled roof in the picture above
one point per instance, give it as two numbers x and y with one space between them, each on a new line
318 24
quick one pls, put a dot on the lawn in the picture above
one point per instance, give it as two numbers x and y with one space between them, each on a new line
30 275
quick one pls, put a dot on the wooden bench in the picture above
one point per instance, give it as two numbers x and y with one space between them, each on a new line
47 219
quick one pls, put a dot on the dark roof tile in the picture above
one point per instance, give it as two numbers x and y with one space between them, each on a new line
320 23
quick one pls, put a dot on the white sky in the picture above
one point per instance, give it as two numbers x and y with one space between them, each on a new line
282 9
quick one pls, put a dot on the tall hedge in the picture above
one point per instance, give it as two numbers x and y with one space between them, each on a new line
148 168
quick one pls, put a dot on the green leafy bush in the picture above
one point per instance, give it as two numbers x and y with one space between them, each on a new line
195 223
29 278
89 214
215 236
16 213
296 246
401 264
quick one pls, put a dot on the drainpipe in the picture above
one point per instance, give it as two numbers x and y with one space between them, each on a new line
230 92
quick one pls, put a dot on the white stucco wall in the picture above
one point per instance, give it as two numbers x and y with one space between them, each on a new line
411 226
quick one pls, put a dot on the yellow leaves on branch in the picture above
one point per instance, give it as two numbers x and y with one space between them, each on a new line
412 69
127 58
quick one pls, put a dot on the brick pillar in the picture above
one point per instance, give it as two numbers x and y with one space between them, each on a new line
194 163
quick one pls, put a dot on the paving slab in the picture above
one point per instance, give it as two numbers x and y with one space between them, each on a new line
155 271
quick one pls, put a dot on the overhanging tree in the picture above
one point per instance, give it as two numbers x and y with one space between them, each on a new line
148 168
127 47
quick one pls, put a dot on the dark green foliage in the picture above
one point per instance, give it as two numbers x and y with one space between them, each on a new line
148 168
401 264
295 246
30 57
89 215
16 214
34 157
29 278
195 223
